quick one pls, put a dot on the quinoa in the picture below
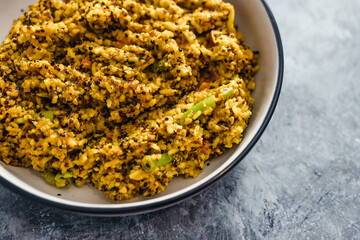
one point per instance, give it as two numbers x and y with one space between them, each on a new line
123 95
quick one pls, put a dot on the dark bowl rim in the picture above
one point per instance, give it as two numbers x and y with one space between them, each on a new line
170 202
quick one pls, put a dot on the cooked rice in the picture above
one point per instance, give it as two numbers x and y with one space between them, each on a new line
90 88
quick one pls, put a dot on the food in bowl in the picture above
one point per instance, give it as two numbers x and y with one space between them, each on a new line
123 95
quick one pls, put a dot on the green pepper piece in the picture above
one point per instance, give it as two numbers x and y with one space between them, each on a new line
228 94
200 106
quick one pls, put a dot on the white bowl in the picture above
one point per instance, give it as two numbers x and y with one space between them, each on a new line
256 21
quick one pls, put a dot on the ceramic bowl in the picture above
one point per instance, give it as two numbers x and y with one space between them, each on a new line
256 21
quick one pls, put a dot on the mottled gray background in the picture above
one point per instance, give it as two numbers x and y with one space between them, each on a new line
300 181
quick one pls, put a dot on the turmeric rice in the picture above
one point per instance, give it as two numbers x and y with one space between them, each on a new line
123 94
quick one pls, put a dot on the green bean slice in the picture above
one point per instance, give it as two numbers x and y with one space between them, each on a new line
200 106
149 165
228 93
19 120
63 178
49 177
46 114
165 159
159 66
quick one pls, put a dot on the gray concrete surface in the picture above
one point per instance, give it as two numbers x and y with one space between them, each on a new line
301 181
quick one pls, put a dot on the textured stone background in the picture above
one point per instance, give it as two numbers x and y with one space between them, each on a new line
300 181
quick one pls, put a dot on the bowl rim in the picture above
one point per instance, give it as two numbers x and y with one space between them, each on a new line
149 207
